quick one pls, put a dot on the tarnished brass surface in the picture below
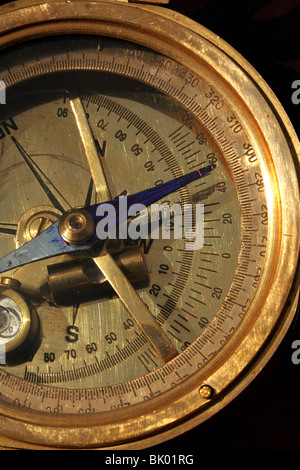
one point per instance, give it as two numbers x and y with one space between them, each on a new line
166 410
76 226
83 281
34 221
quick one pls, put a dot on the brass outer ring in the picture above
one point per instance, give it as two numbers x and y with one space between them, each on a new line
181 39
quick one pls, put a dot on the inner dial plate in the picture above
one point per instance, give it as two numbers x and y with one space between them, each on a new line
152 121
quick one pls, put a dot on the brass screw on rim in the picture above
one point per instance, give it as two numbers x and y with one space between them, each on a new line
206 391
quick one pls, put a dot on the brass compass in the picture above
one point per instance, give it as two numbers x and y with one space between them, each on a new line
127 342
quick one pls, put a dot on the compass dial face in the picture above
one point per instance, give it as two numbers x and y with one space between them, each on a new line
151 120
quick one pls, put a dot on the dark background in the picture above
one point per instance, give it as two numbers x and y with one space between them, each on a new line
266 416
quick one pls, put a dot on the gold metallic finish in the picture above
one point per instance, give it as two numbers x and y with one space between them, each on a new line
156 2
34 221
85 282
144 95
76 226
206 392
106 264
10 282
90 149
136 307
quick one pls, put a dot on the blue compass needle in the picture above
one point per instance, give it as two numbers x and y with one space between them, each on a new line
50 242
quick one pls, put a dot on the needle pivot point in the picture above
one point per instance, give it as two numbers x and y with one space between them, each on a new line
76 226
